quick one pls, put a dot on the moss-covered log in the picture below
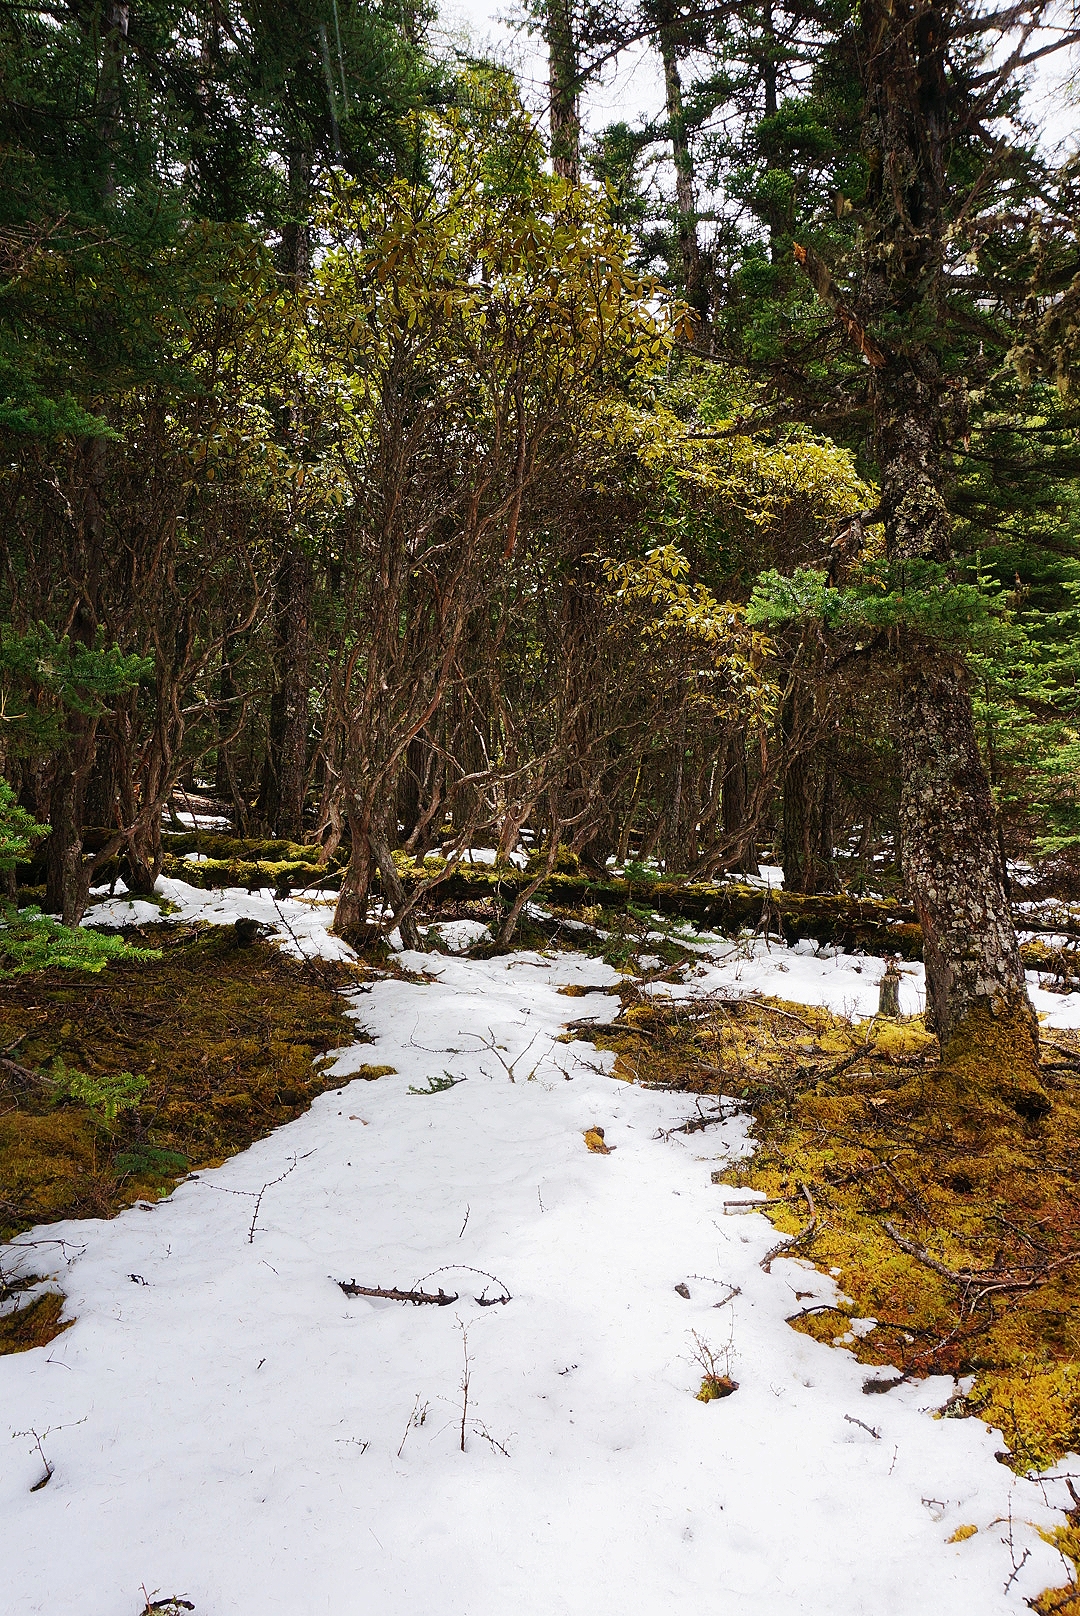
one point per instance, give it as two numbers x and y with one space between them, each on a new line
839 920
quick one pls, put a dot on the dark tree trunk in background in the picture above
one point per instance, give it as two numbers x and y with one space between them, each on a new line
67 882
797 788
735 801
284 782
827 876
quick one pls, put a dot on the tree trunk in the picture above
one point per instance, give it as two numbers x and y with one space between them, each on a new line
67 881
351 913
949 846
952 863
564 118
284 782
734 796
685 201
796 855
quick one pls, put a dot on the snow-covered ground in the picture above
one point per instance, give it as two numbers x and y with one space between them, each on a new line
225 1424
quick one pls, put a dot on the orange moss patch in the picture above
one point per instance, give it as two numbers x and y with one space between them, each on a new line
226 1037
33 1326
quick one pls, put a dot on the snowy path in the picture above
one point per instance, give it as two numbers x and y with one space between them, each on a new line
228 1426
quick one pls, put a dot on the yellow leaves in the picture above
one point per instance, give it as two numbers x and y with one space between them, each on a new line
594 1141
962 1534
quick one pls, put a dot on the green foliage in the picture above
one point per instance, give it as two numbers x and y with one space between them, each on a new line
921 596
146 1161
32 941
109 1092
47 677
438 1085
18 829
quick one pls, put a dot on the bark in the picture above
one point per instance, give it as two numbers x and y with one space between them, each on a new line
370 850
797 852
351 912
686 204
285 772
950 851
67 883
949 845
564 116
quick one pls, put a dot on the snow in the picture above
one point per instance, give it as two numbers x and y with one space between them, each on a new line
485 855
195 821
299 925
847 984
117 912
226 1425
460 935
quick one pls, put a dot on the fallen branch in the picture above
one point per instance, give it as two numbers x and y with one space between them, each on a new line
871 1430
390 1293
788 1244
986 1281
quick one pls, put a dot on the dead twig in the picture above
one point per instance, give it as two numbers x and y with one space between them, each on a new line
870 1430
463 1268
464 1384
976 1284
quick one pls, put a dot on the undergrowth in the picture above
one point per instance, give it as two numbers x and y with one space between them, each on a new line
32 941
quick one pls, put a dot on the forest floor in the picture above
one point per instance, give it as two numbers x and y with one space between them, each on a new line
611 1411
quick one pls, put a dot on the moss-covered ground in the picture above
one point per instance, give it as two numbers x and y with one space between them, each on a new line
952 1221
226 1037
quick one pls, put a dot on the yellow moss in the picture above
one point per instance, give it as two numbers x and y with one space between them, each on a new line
902 1040
1058 1602
368 1074
991 1059
716 1386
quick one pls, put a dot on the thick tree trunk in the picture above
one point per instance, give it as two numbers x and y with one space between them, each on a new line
67 880
950 851
734 801
951 855
351 913
952 863
797 853
370 848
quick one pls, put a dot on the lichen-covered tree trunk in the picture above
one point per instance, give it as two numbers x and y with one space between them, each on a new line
952 866
950 849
